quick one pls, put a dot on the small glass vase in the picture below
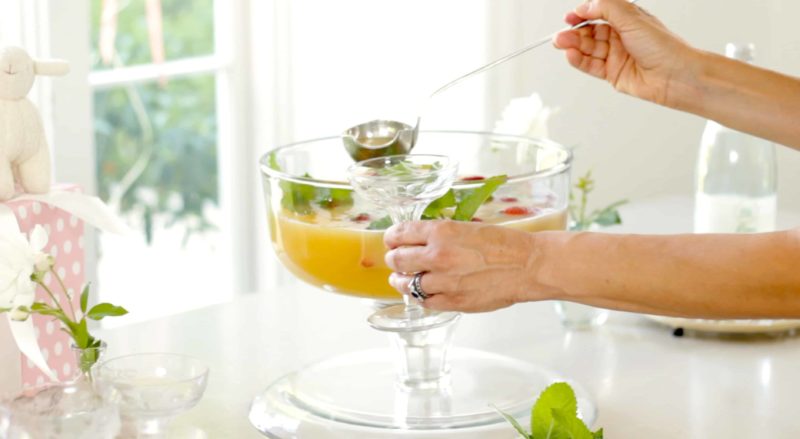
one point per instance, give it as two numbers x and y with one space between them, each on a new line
61 410
577 316
86 360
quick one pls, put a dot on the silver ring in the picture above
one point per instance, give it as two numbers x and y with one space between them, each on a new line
416 287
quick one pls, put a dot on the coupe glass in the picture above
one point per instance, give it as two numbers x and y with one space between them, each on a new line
151 389
327 225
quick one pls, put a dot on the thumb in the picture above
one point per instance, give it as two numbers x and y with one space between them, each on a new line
617 12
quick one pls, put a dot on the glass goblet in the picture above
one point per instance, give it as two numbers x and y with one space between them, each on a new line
404 185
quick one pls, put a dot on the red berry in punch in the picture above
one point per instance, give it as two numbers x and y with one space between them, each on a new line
516 210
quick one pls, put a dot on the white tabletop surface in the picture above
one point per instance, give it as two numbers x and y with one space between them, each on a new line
646 382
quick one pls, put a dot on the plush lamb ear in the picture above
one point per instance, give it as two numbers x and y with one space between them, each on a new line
54 67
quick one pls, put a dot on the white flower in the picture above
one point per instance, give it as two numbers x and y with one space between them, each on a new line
525 117
19 259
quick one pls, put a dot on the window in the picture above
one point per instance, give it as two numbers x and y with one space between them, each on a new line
156 69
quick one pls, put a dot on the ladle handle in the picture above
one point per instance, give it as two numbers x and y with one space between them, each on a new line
515 54
511 55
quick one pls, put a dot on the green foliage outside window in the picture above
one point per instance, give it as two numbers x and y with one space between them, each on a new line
188 27
156 142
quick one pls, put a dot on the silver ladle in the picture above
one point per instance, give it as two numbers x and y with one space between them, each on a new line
379 138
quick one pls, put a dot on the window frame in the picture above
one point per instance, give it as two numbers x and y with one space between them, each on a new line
70 118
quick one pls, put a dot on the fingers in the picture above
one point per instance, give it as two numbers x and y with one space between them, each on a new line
587 49
591 42
433 258
442 295
408 233
408 259
572 19
432 284
440 302
567 40
616 12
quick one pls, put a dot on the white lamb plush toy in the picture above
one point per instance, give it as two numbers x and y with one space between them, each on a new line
24 155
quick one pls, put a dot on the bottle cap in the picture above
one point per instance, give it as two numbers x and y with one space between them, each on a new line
742 51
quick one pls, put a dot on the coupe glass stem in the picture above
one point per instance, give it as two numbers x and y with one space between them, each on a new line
422 351
400 214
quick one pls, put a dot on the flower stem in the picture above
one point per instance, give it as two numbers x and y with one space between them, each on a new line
66 293
52 296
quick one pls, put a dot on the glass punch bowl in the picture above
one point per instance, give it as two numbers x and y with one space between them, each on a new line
329 237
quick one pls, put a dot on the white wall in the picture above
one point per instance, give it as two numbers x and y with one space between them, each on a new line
357 60
638 150
353 60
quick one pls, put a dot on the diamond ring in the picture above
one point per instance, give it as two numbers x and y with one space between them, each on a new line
416 287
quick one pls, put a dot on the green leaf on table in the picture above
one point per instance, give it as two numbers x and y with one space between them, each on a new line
558 396
437 206
555 416
84 298
569 426
380 224
467 207
513 423
101 310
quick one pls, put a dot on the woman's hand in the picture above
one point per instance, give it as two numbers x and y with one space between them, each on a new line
468 267
636 53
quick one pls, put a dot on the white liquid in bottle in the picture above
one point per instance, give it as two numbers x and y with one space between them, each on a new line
735 189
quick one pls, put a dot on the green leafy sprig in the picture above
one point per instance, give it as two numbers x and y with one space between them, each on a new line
77 328
578 206
555 416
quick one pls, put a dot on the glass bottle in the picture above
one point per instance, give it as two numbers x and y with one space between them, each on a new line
735 186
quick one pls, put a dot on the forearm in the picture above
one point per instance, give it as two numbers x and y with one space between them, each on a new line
714 276
741 96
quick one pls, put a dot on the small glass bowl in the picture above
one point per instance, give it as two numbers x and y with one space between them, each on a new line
151 389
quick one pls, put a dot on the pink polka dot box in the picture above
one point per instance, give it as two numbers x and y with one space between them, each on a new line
65 244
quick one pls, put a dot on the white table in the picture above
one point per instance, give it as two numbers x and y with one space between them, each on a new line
646 382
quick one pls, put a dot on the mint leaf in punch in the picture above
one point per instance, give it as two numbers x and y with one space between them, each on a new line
437 206
469 205
380 224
